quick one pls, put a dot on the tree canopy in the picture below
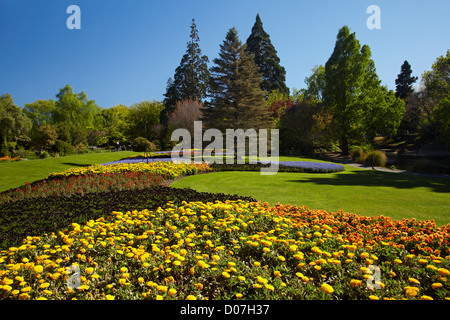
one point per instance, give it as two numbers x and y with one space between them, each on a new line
266 58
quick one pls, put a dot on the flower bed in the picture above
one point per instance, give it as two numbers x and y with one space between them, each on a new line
82 184
224 250
8 158
167 170
36 216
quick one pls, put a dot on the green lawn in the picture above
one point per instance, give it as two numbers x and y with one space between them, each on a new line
359 191
16 173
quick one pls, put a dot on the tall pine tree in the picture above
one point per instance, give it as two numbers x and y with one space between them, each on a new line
404 81
266 58
191 77
236 98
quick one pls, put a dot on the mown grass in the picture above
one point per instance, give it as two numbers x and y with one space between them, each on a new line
360 191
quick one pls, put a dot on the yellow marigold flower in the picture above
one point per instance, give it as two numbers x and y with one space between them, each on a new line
44 285
89 270
199 286
216 257
41 298
6 287
372 297
256 263
7 281
171 292
326 288
109 297
225 274
364 255
177 262
191 297
241 278
281 258
355 283
141 280
238 295
426 298
436 285
183 252
411 291
269 286
432 267
277 273
123 269
293 248
159 297
257 286
443 272
398 261
38 269
413 280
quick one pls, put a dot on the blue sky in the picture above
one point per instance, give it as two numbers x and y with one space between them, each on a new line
126 50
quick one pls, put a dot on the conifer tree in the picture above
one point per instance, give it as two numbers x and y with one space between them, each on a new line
404 81
190 79
236 98
266 58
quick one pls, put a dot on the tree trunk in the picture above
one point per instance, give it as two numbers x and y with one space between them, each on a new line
344 147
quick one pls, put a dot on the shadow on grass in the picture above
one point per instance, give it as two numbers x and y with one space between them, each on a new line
77 164
381 179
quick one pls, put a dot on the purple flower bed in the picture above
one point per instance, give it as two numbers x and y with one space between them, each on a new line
321 167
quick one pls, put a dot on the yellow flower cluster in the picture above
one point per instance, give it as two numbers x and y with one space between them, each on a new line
166 169
220 250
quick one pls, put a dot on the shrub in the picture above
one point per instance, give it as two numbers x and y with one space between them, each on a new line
358 154
44 155
376 158
141 144
63 148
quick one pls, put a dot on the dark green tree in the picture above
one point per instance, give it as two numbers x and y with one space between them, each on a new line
404 81
266 58
191 77
236 97
361 107
13 123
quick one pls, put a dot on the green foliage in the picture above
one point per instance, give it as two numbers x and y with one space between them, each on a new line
74 108
46 137
63 148
44 155
115 122
191 77
13 122
437 87
361 106
142 117
141 144
237 100
265 56
305 127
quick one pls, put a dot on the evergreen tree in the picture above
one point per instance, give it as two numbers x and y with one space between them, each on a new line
237 100
404 81
360 105
190 79
265 55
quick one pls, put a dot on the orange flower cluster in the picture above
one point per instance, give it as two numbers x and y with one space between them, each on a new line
418 237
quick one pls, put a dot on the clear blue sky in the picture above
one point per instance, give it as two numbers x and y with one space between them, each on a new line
126 50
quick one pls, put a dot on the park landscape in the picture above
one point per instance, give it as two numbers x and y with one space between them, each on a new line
93 205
